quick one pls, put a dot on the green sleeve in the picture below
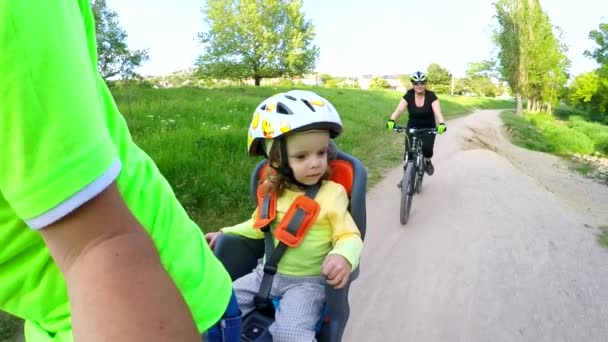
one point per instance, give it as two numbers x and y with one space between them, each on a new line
244 229
54 139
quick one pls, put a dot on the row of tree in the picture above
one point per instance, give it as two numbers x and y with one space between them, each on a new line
532 60
257 39
531 57
479 81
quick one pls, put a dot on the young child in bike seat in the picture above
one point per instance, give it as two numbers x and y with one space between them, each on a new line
293 130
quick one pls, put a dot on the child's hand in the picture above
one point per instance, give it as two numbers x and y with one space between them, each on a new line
211 238
337 270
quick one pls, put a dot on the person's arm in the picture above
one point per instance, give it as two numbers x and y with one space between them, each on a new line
437 110
118 288
399 110
54 144
346 237
244 229
346 241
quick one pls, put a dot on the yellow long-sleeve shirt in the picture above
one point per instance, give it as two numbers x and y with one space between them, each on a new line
334 232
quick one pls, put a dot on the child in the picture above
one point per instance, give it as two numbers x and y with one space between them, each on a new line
293 130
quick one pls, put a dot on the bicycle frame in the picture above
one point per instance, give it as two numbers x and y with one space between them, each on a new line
413 168
413 151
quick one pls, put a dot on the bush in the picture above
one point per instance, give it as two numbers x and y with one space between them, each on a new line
565 140
598 133
592 129
601 144
284 83
440 88
206 83
332 83
378 82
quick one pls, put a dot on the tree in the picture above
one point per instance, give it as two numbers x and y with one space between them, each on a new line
584 87
531 58
113 55
324 78
593 87
600 37
479 78
256 39
404 80
510 39
546 64
439 79
486 68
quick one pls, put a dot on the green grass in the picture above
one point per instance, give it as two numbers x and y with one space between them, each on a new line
597 133
197 138
543 132
9 326
582 168
524 133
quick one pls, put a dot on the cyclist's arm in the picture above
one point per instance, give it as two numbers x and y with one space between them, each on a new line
118 288
401 107
437 110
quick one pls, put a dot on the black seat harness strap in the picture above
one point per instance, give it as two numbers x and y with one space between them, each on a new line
273 255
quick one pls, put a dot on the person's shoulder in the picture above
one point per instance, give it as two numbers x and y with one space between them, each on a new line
431 93
334 188
408 94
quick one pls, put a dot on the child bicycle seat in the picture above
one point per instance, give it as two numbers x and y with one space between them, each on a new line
241 255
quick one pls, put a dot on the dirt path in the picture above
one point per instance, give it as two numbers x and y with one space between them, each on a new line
501 246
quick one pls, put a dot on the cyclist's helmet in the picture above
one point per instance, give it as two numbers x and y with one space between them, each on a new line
418 76
285 113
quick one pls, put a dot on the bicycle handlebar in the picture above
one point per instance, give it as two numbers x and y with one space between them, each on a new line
415 130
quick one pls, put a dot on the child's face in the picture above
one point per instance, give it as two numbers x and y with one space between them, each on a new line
307 153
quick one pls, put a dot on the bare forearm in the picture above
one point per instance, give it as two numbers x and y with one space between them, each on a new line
439 117
437 110
399 110
119 291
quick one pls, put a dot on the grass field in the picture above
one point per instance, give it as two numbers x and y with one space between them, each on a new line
197 137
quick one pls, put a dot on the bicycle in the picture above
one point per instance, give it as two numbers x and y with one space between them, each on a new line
414 166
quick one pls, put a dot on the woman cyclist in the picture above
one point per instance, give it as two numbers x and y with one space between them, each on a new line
424 112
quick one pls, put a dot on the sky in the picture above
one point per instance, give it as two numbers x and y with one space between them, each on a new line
356 37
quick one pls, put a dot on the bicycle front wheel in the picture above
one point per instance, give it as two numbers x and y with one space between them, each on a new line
407 192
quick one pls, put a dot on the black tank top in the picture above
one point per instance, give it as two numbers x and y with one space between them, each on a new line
420 117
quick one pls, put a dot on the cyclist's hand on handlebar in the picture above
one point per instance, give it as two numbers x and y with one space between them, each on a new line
390 125
212 238
441 128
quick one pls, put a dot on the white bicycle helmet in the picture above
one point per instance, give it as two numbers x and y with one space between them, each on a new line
418 76
293 111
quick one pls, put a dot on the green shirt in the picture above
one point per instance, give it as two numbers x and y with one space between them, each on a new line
61 132
334 232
